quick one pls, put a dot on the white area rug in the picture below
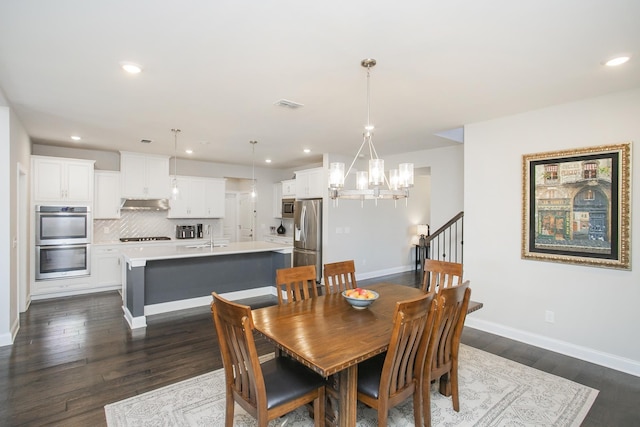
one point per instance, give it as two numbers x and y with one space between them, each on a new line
493 392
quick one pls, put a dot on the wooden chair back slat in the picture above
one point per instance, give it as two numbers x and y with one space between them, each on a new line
297 283
440 274
339 276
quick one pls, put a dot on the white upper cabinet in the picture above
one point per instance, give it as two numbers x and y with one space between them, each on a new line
107 195
144 176
311 183
289 188
214 197
57 179
198 198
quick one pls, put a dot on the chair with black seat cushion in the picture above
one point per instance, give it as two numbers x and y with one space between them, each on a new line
297 283
442 353
268 390
339 276
388 379
440 274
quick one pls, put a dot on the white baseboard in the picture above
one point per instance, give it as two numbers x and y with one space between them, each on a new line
6 339
134 322
385 272
583 353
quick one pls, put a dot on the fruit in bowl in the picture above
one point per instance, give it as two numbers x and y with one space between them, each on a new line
360 298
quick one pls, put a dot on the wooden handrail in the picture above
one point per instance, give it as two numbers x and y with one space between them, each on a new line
441 230
435 243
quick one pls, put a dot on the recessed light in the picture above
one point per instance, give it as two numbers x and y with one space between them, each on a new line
130 67
267 161
307 150
618 60
188 151
75 137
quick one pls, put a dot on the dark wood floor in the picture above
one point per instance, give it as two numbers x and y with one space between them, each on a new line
74 355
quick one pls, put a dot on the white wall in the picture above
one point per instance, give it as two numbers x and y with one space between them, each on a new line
7 308
14 149
596 310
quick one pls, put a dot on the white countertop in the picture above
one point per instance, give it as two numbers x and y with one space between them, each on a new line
137 256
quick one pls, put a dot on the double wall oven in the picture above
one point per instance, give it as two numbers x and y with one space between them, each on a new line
63 241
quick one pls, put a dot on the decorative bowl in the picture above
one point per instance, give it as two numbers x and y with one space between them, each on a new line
361 303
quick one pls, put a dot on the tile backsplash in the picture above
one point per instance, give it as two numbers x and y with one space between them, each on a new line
145 224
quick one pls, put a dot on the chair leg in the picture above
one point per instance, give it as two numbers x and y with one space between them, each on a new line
228 414
319 414
454 388
445 384
426 403
417 406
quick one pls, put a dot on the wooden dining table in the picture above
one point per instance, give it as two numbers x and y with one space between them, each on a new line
331 337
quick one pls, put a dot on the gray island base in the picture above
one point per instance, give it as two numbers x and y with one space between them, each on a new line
169 278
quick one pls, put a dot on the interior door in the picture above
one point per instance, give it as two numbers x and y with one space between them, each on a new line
230 221
246 217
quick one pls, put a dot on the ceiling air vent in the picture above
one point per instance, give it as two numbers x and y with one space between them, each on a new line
288 104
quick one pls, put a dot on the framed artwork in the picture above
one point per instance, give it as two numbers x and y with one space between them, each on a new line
576 206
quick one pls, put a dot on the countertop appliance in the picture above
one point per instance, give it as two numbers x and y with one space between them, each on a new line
288 208
307 234
185 231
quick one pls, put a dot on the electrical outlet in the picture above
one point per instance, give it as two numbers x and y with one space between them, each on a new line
549 316
106 230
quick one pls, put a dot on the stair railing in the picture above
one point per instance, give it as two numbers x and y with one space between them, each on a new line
446 243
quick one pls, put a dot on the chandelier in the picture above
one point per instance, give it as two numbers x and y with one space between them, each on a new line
374 183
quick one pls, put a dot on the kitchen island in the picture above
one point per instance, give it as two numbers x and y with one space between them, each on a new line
166 278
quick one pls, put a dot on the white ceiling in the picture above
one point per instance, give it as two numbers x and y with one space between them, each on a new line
214 69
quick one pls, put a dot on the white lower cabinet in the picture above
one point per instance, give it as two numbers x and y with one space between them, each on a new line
106 268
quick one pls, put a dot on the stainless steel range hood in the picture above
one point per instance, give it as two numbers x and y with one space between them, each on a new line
145 205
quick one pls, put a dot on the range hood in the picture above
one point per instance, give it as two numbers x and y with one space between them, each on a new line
145 205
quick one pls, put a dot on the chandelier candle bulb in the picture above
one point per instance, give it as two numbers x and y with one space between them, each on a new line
362 180
336 175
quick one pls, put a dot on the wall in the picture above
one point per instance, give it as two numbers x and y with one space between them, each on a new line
596 309
14 150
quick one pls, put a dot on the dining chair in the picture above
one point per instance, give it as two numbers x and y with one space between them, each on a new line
265 390
388 379
442 352
440 274
297 283
339 276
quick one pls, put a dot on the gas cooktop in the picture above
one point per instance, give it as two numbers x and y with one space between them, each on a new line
144 239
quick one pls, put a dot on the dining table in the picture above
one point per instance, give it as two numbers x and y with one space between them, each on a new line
331 337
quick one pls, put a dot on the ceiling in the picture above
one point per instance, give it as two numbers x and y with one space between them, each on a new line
215 70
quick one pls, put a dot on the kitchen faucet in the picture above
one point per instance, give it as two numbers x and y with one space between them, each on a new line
210 231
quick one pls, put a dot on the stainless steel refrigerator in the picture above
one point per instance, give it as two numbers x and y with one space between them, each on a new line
307 234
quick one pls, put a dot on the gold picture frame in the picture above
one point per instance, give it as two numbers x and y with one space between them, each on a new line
576 206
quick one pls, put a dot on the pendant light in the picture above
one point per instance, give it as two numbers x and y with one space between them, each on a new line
253 169
174 182
373 184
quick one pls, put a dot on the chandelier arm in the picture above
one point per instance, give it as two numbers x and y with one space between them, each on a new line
364 141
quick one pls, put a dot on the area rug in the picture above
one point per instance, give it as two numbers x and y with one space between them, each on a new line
493 392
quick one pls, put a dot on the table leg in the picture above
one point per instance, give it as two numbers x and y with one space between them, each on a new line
348 396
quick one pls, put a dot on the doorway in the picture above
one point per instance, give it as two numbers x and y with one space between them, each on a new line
240 217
